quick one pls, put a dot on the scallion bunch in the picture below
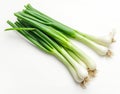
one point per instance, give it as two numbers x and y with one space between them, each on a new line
53 38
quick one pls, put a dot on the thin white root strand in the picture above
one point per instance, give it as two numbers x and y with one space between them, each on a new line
92 73
113 40
112 34
109 53
84 82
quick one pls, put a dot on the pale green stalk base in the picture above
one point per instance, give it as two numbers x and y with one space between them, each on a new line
101 50
103 40
69 66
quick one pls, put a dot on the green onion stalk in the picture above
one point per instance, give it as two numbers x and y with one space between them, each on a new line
46 44
105 40
91 66
58 37
99 45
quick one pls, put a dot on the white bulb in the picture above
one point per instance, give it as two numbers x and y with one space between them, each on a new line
82 72
75 75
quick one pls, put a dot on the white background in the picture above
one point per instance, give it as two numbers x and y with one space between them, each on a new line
26 70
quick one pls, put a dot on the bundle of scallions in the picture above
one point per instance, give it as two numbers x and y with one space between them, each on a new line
53 37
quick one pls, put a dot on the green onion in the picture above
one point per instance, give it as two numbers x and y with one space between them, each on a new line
88 40
53 38
78 72
65 42
102 40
